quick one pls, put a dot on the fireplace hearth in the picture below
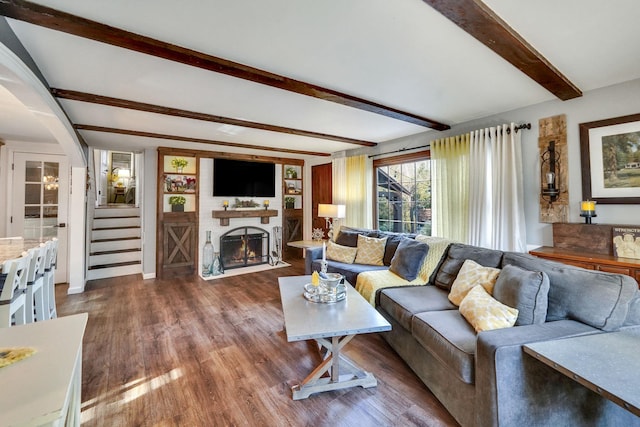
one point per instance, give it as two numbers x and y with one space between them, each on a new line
244 247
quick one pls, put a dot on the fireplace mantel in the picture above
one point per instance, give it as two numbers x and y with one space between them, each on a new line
263 214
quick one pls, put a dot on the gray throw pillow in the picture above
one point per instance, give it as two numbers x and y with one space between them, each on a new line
407 260
525 290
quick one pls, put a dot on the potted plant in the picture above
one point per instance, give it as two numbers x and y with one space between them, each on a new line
291 172
289 202
179 164
177 203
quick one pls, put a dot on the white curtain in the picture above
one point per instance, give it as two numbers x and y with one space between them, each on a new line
352 187
450 187
496 205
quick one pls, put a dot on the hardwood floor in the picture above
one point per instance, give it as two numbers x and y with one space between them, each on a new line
198 353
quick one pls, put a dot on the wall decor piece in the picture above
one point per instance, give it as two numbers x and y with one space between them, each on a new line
610 156
626 242
552 143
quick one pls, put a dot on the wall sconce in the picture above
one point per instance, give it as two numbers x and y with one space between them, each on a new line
551 192
329 213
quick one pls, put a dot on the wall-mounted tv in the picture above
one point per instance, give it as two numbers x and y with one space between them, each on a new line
239 178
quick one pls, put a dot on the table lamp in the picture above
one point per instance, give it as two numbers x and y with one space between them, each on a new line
330 213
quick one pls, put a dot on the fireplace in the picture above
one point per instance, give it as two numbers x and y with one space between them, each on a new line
243 247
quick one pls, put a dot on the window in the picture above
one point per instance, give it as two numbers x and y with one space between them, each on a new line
403 196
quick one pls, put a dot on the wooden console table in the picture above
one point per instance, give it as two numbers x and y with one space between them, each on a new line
263 214
591 261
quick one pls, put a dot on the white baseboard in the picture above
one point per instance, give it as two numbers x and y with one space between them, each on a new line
146 276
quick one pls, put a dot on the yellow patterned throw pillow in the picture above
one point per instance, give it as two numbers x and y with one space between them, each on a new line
471 273
485 313
340 253
370 250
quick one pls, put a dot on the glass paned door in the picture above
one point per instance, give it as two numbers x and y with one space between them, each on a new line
39 211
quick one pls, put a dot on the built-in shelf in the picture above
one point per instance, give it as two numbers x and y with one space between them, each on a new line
263 214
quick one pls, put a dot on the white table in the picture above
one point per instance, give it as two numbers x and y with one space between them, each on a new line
45 388
332 326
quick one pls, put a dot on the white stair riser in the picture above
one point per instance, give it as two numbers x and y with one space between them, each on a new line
114 258
115 245
115 234
116 222
103 273
100 213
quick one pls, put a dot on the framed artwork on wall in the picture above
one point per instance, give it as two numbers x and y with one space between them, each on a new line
610 156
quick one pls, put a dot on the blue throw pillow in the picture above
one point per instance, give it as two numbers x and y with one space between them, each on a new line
407 260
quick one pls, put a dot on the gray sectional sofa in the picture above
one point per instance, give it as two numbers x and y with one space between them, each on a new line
485 379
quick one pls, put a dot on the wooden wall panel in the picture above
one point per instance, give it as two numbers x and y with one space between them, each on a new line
555 129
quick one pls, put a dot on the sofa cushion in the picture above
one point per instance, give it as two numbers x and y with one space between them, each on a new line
403 303
370 250
408 259
349 271
451 263
592 297
393 240
471 274
450 339
525 290
341 253
485 313
348 236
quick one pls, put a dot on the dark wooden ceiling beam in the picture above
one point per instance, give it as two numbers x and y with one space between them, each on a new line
477 19
81 27
190 139
175 112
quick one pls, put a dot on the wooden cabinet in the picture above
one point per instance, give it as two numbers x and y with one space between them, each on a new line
292 203
606 263
177 224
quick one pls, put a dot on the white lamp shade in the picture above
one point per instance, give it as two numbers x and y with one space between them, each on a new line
124 173
331 211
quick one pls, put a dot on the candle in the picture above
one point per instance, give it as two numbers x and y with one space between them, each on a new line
324 252
588 205
266 203
225 203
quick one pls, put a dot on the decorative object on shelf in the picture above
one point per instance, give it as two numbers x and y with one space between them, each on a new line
225 204
177 203
291 189
610 168
626 242
265 204
180 184
246 204
289 202
550 193
324 264
291 173
207 256
317 234
588 210
216 267
330 213
276 253
179 164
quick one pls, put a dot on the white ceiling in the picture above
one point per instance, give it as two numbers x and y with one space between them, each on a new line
402 54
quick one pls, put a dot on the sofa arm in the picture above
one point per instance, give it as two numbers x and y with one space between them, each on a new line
512 388
310 255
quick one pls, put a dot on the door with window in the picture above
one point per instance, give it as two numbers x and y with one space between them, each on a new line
40 201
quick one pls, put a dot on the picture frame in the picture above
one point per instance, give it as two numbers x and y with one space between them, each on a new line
610 157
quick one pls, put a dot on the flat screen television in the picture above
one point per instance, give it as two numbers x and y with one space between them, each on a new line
239 178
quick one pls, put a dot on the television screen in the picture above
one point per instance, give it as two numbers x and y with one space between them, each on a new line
239 178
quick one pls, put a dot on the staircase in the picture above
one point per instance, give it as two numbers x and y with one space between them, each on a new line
115 242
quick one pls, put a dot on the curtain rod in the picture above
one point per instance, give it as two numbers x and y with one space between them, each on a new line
517 128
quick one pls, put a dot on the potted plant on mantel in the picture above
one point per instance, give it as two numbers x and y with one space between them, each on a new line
177 203
289 203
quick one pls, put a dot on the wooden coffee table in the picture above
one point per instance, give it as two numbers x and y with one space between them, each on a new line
332 326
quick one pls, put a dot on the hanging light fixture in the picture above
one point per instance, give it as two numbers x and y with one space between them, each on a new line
550 191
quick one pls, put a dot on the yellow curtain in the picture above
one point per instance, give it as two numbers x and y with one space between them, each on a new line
352 181
450 187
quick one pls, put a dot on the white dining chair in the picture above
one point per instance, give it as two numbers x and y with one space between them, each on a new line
13 295
35 302
50 278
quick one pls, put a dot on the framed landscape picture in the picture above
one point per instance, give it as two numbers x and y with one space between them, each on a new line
610 155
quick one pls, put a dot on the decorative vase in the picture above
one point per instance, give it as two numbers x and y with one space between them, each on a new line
207 256
177 208
216 266
179 169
